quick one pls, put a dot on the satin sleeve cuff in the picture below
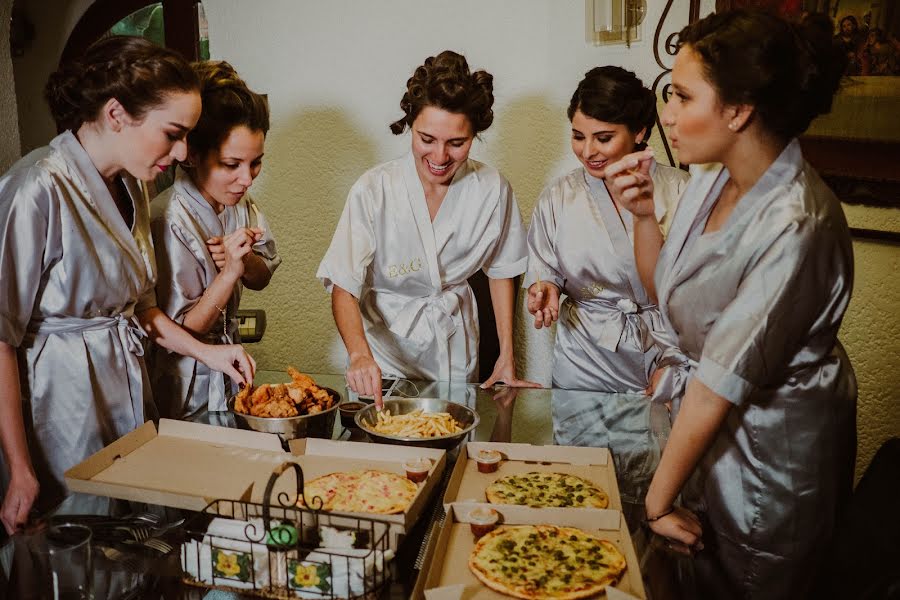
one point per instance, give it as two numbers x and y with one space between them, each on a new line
723 382
348 284
547 274
507 271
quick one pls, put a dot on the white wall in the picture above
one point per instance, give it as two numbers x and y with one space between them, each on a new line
53 20
334 73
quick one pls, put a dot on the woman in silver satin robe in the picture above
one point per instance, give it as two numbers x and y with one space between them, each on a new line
753 281
77 266
414 230
199 225
581 244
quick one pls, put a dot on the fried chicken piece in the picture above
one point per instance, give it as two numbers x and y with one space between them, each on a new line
240 400
300 380
275 408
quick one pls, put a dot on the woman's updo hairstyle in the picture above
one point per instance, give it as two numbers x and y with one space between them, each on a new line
445 82
227 103
134 71
788 72
615 95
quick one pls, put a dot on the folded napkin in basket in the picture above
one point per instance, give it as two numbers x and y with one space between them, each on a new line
338 572
227 557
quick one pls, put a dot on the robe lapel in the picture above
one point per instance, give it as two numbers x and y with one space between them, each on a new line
101 201
693 201
618 235
419 208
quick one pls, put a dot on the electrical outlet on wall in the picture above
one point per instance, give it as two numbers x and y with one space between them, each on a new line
252 325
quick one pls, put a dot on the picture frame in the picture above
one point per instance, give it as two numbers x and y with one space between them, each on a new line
856 147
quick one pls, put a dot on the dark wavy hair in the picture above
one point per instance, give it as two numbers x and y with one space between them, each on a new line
134 71
615 95
445 82
227 103
788 72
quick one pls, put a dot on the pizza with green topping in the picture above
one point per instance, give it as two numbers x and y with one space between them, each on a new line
539 562
546 489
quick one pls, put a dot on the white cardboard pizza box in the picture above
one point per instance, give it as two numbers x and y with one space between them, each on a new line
318 457
445 574
183 464
467 484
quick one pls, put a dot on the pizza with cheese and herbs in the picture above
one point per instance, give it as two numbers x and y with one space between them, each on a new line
546 489
359 491
538 562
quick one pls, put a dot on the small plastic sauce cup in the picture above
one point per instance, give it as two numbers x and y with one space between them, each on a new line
417 469
482 521
488 461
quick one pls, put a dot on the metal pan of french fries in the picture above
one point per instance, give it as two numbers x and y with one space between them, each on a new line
428 422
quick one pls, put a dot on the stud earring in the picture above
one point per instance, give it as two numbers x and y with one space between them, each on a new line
732 126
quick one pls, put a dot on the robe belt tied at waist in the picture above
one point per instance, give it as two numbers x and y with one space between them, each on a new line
441 311
130 332
130 335
617 314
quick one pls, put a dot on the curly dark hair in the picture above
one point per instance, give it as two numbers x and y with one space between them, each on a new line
788 72
134 71
445 82
615 95
227 103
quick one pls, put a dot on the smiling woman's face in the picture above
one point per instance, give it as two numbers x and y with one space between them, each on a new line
441 141
598 143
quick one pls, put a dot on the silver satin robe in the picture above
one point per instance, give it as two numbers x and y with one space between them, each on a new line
73 276
410 274
182 221
755 307
607 323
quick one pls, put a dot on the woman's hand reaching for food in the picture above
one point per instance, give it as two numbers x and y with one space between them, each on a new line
364 377
232 360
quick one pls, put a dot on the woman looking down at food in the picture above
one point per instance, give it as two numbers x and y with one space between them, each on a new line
77 265
580 243
753 281
415 229
211 238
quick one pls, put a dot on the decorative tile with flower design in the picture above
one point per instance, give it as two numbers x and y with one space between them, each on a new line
309 575
232 565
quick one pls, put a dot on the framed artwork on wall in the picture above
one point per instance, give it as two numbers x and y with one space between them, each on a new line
856 147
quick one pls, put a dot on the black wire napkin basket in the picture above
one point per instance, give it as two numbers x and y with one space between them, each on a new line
275 549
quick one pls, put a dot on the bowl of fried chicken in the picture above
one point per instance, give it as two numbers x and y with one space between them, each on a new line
296 409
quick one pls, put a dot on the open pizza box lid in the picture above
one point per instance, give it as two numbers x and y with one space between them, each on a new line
467 484
445 573
318 457
182 465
